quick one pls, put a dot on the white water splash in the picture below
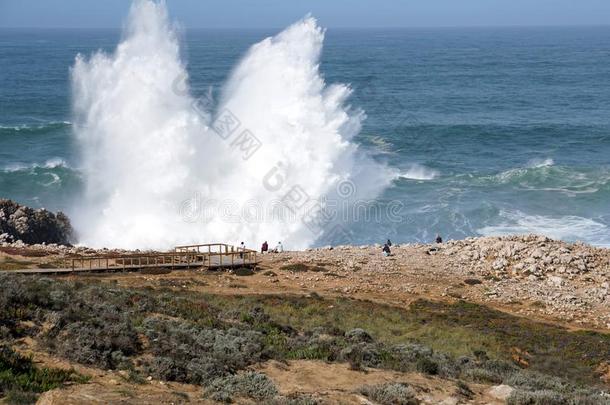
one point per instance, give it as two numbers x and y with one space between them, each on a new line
570 227
419 172
147 155
538 163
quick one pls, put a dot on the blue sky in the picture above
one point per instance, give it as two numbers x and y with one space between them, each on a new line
331 13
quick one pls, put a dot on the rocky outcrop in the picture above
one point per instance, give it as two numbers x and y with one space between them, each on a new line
21 223
533 275
532 256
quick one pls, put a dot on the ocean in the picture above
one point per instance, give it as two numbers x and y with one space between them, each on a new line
487 131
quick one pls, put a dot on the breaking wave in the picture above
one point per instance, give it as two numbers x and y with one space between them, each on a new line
154 158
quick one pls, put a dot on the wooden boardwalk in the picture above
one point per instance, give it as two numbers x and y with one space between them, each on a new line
206 256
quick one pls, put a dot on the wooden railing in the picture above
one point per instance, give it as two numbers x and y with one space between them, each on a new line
246 256
211 255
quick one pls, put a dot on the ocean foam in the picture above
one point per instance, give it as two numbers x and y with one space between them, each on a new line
571 227
49 164
536 163
419 172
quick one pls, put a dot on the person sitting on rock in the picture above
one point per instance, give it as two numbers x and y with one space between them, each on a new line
386 250
265 247
279 248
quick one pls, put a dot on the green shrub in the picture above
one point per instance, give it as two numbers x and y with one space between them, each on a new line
18 397
188 353
249 384
390 394
427 366
543 397
20 380
482 375
534 381
105 341
358 336
489 371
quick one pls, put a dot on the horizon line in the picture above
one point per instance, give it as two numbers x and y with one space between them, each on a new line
335 27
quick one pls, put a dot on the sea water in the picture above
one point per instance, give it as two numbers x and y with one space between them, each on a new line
398 133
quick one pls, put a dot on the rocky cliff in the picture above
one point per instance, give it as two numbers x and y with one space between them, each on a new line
18 222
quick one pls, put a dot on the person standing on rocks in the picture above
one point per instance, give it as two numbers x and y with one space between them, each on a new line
386 250
265 247
389 243
242 248
438 239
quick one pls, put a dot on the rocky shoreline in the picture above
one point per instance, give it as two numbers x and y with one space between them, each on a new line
530 274
30 226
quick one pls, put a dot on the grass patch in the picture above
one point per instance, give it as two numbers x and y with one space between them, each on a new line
458 329
243 271
295 268
301 268
21 381
25 252
10 263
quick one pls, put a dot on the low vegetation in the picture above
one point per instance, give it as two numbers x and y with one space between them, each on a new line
21 381
212 340
391 394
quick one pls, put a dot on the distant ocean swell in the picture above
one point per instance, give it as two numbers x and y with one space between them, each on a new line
33 128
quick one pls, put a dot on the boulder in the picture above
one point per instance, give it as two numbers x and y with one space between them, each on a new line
501 392
21 223
556 281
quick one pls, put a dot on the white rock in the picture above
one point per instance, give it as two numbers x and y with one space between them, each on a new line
556 281
501 392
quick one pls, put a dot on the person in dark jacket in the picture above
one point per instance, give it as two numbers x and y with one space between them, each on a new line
265 247
438 239
386 250
389 243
